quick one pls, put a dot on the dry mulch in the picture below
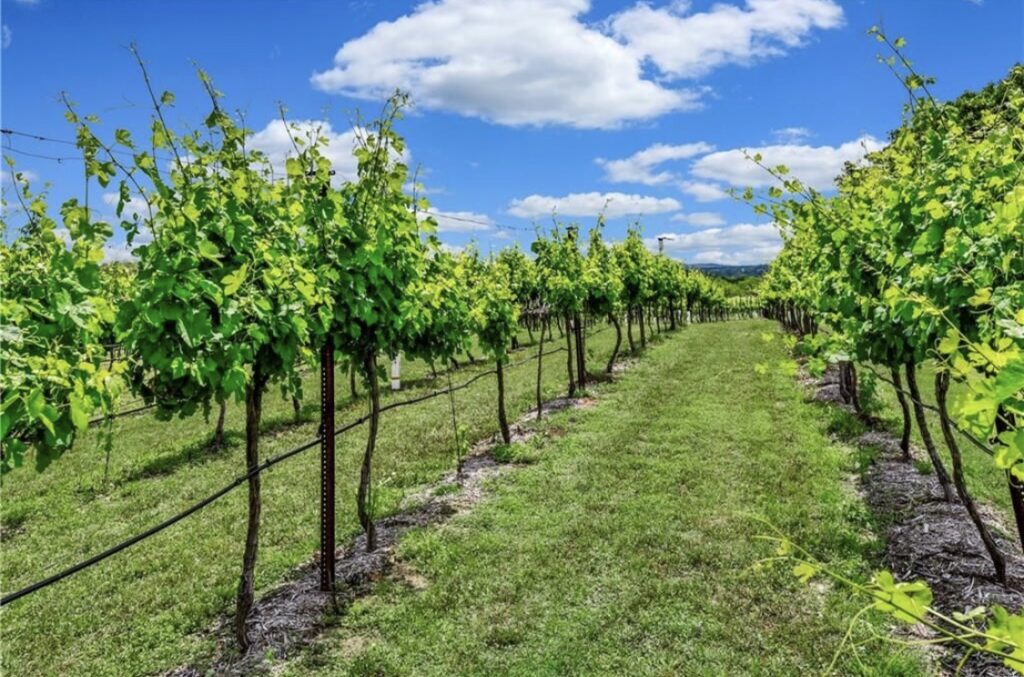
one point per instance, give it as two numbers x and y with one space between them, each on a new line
932 540
292 615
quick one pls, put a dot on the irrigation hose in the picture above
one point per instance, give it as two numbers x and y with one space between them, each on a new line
238 481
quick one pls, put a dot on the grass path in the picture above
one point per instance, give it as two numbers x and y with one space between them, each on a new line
625 548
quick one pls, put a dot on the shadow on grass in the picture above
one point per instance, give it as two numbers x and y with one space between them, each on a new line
197 453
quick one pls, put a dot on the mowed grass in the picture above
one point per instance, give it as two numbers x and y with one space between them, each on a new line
626 547
139 612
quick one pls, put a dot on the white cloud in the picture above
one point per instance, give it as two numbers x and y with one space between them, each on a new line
686 45
747 257
27 2
515 62
118 252
639 167
275 140
792 134
744 243
136 206
7 36
419 189
704 219
535 62
27 174
816 166
612 205
452 248
459 222
702 191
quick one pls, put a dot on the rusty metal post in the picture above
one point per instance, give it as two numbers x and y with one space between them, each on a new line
327 466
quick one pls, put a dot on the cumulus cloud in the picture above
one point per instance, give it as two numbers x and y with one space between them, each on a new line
640 166
536 62
135 207
702 191
459 222
275 141
685 45
816 166
703 219
612 205
741 244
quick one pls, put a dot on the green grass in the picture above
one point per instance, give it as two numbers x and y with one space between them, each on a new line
626 546
139 612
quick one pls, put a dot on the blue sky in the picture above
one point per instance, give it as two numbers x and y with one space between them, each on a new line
522 106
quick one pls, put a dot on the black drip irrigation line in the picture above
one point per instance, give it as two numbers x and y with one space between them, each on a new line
238 481
137 410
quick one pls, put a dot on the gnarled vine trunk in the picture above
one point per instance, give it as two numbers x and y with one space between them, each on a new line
506 436
905 408
540 372
253 413
618 342
581 362
365 472
569 358
926 436
998 561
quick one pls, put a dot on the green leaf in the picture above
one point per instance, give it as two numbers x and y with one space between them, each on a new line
981 297
804 571
293 167
35 403
80 411
232 281
935 209
209 250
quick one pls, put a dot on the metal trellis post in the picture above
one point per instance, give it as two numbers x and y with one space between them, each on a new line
327 466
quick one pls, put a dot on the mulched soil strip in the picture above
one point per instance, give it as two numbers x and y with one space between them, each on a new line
292 615
930 539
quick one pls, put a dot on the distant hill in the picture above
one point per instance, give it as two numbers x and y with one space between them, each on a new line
730 272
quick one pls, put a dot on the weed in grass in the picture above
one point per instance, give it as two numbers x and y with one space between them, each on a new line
842 424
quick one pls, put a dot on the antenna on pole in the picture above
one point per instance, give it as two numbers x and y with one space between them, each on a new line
661 242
